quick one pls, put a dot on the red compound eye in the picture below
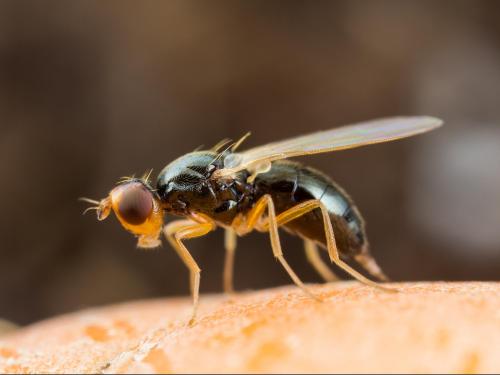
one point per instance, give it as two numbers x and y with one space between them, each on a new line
136 204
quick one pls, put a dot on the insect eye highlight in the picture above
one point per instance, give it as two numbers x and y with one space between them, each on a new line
136 204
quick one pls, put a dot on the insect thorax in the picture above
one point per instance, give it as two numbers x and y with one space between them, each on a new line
187 185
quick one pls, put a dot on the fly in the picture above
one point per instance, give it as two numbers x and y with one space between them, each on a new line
259 189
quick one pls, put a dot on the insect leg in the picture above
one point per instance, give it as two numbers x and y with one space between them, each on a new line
169 230
307 206
311 250
314 258
185 229
334 253
230 245
254 216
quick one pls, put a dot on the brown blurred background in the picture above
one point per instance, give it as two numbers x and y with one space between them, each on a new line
91 91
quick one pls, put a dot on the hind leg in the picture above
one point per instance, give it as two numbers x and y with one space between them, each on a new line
335 257
303 208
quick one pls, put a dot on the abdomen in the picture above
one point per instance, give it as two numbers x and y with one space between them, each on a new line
290 183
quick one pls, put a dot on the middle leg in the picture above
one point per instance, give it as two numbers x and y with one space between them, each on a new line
230 245
314 258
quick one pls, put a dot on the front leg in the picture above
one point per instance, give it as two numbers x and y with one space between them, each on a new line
179 230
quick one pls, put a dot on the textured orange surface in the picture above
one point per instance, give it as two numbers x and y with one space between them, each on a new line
429 327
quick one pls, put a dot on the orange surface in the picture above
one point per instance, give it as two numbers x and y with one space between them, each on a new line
429 327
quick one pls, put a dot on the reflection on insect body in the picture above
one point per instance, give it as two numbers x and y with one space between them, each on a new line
259 190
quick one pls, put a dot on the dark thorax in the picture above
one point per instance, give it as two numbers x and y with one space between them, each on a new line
186 185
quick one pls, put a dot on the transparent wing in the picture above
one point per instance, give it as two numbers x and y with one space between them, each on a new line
356 135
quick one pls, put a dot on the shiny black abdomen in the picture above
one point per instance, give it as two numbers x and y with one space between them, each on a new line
290 183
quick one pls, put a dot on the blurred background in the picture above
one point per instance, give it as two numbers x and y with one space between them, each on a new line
91 91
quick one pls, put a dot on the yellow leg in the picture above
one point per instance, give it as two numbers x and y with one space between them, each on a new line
180 230
335 257
253 222
230 245
314 258
303 208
